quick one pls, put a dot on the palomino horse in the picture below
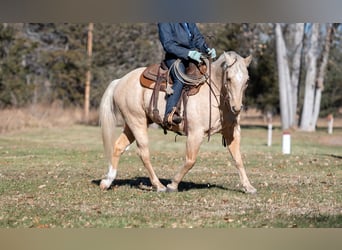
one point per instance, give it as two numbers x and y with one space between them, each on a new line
126 97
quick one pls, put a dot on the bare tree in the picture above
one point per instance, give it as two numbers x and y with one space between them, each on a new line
314 79
321 72
289 61
297 48
289 79
283 77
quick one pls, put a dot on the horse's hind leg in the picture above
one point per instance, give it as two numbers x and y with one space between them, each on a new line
124 140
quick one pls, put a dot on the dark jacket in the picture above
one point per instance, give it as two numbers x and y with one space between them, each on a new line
176 41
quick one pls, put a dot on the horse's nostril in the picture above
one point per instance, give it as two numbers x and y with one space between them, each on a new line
237 110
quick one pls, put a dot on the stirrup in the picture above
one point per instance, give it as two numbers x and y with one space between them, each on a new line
172 118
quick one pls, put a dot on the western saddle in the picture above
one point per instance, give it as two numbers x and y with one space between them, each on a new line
157 78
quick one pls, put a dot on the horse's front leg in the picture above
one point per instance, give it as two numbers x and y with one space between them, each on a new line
141 136
192 146
232 137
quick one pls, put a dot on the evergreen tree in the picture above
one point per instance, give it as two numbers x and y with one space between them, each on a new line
16 88
60 60
262 92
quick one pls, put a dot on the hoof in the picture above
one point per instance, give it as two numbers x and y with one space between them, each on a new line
159 188
171 189
105 185
250 190
162 189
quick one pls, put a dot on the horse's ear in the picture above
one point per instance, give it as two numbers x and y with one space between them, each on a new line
248 60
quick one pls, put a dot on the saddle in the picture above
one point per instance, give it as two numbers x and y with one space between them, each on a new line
159 72
156 77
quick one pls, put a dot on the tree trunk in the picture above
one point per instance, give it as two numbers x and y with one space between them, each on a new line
283 78
321 73
298 38
289 79
310 82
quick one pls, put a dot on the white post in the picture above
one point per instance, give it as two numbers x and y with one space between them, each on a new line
330 123
269 131
269 135
286 142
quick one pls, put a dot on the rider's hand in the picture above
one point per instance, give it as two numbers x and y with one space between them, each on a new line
211 52
195 55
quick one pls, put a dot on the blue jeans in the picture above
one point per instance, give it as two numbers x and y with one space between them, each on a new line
177 87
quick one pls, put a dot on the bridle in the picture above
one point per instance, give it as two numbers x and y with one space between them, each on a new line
225 80
225 70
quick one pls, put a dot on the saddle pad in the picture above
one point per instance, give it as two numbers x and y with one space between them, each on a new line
149 77
151 72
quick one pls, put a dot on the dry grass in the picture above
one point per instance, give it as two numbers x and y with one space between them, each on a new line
48 116
40 116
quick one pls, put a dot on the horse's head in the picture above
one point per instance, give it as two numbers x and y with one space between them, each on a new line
234 79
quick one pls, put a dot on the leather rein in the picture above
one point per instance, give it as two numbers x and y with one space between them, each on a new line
225 80
225 68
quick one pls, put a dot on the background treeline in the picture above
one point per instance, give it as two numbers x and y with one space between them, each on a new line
47 62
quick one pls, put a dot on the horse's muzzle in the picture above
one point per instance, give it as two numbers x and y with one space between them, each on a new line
236 109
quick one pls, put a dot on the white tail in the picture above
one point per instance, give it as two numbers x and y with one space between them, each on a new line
109 116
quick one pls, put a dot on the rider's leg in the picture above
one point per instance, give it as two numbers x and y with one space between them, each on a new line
172 100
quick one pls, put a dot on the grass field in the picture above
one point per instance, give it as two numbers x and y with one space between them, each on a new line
47 180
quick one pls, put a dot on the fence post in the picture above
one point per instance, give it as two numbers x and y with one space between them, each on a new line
269 130
286 142
330 123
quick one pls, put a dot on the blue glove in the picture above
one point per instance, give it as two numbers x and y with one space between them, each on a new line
212 52
195 55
